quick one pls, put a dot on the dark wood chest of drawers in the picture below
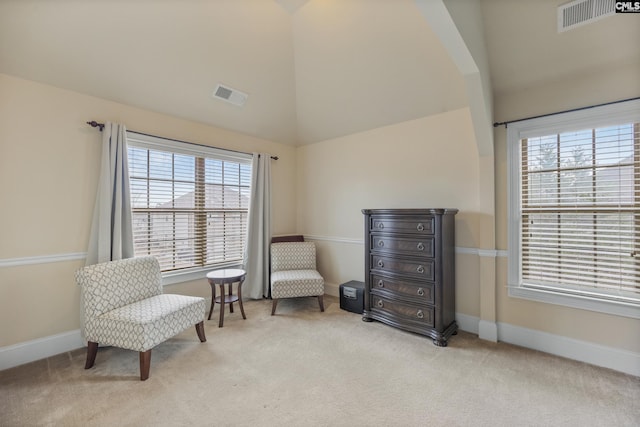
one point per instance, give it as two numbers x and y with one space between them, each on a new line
410 270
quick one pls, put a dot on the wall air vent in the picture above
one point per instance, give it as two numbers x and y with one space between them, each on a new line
581 12
230 95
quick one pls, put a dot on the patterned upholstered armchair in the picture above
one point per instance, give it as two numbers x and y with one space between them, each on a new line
293 272
124 307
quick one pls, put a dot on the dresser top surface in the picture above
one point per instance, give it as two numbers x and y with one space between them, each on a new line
417 211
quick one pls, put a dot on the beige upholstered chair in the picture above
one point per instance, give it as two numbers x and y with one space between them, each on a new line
293 272
124 307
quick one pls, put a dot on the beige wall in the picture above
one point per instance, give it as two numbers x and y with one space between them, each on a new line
428 162
48 174
553 96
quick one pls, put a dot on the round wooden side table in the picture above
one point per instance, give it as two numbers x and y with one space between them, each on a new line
228 277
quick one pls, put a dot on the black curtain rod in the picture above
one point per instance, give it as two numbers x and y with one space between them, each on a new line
95 124
565 111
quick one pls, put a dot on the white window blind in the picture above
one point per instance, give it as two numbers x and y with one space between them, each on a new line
574 208
190 203
580 218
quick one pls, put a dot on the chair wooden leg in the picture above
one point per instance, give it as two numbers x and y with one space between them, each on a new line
273 306
92 350
200 331
145 364
321 302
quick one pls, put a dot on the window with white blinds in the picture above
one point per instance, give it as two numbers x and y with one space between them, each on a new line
575 214
189 202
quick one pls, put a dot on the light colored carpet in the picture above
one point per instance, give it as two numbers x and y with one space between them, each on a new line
306 368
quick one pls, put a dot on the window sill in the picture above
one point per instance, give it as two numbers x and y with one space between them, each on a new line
175 277
575 301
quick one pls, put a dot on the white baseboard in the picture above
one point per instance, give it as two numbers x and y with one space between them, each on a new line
594 354
30 351
467 323
488 330
608 357
332 289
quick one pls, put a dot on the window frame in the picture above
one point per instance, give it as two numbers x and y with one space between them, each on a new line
595 117
151 142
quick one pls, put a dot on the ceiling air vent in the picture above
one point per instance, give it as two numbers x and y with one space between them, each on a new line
581 12
230 95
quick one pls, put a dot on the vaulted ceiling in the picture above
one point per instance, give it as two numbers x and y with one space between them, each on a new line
313 69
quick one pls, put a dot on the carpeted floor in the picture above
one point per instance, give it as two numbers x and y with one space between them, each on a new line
306 368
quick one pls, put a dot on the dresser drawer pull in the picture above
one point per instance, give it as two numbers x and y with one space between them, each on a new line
420 246
420 269
420 314
420 227
380 225
380 263
421 292
380 284
380 243
380 303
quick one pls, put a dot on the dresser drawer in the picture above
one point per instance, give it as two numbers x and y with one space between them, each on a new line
423 315
420 269
422 293
409 224
421 246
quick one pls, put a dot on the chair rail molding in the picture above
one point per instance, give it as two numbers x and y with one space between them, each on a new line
490 253
42 259
334 239
74 256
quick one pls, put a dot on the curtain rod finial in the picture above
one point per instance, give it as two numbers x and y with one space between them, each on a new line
95 124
